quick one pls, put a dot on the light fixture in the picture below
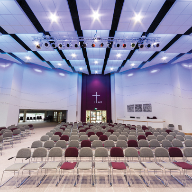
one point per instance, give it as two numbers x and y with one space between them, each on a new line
59 64
101 45
38 46
96 62
164 58
95 15
28 58
60 45
76 45
53 45
109 45
141 46
4 65
93 45
118 55
38 70
111 68
69 45
154 71
137 18
96 72
84 45
148 45
133 45
186 65
53 17
156 45
73 55
132 64
124 45
118 45
46 44
62 74
130 74
80 68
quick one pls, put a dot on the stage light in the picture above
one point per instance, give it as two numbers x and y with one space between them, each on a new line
118 45
76 45
53 18
53 45
137 17
46 44
38 46
84 45
95 15
141 46
157 44
109 45
101 45
133 45
118 55
93 45
148 45
60 45
96 62
124 45
96 72
69 45
130 74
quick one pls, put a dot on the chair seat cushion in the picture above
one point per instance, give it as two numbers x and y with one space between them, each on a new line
68 165
183 165
101 165
118 165
151 166
15 167
33 166
51 165
85 165
135 165
169 165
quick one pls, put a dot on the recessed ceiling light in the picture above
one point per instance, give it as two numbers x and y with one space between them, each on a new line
36 42
59 64
164 58
28 58
111 68
118 55
53 17
80 68
132 64
189 66
62 74
96 72
5 65
154 71
137 17
73 55
38 70
96 62
95 15
130 74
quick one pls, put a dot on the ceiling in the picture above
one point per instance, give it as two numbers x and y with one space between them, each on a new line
22 20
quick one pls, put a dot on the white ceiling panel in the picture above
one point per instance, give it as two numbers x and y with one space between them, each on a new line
73 54
183 58
95 33
162 57
105 10
13 19
182 45
130 65
50 55
43 10
79 65
61 65
141 55
33 58
178 20
8 57
118 54
147 9
96 53
8 44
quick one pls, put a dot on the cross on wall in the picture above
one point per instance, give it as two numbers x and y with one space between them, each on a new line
96 96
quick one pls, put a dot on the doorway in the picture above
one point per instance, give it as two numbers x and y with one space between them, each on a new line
96 116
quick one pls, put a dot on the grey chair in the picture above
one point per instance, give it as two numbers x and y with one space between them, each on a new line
37 144
74 137
164 134
50 134
141 133
188 143
150 137
187 152
154 143
24 153
166 144
1 144
169 138
188 137
132 137
83 137
53 131
97 143
121 143
181 133
143 143
109 144
55 138
44 138
107 133
116 133
181 138
124 133
156 134
177 143
74 144
113 137
94 137
8 138
17 134
49 144
173 134
160 138
122 137
86 153
61 143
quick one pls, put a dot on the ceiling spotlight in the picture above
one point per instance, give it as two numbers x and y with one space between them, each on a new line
148 45
53 17
38 46
84 45
137 17
118 45
141 46
93 45
133 45
53 45
156 45
154 71
164 58
96 62
109 45
111 68
62 74
130 74
73 55
60 45
132 64
124 45
28 58
101 45
96 72
76 45
80 68
59 64
118 55
95 15
69 45
38 70
46 44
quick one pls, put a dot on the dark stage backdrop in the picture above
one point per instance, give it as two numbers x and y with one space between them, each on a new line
92 84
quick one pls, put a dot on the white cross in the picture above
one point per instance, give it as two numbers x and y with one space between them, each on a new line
96 96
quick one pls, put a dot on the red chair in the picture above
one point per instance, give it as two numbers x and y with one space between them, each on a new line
80 127
63 128
111 131
82 130
58 133
148 133
117 152
141 137
66 166
132 128
1 128
87 128
103 127
99 134
64 137
103 137
14 128
90 133
132 143
168 131
85 143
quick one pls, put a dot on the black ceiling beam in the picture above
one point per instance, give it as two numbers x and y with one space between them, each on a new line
114 25
188 32
24 5
161 14
3 31
64 58
17 58
76 23
175 58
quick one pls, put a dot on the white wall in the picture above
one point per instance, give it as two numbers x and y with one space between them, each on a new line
169 91
23 88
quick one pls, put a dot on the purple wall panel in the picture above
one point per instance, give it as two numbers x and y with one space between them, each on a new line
90 85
